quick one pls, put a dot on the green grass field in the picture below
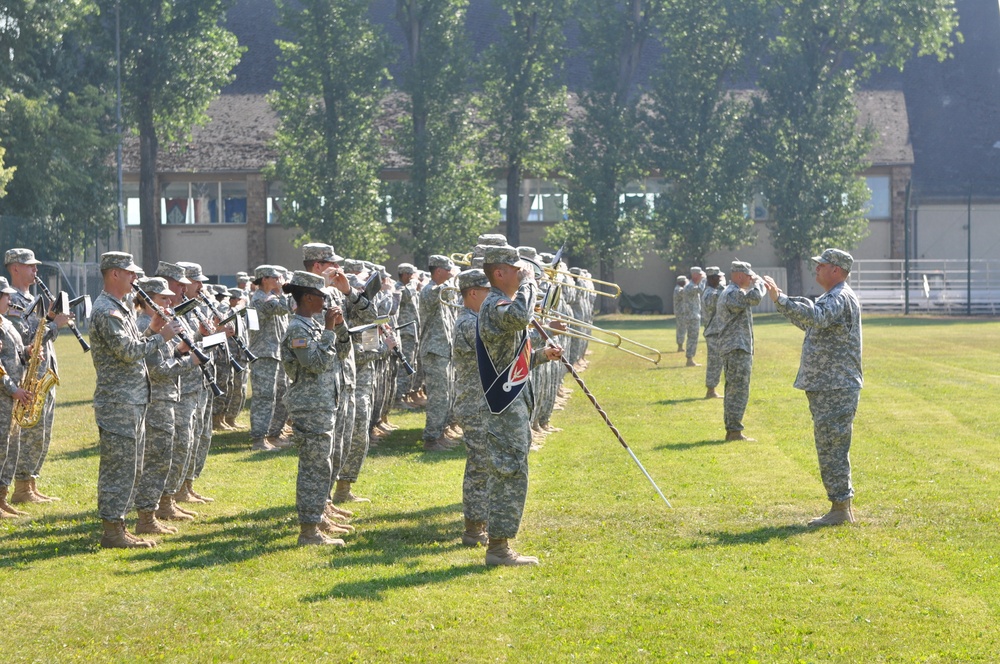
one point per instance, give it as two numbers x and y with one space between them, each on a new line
730 574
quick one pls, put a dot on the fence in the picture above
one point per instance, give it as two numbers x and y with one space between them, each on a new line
952 287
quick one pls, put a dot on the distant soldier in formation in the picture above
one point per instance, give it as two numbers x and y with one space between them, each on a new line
713 366
829 372
680 321
267 378
692 313
436 321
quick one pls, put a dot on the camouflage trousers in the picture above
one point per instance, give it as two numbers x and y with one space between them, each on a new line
184 440
157 454
344 426
833 414
121 431
693 332
236 396
202 438
10 442
313 434
356 453
408 348
680 322
508 438
737 364
267 412
713 367
439 377
475 482
35 441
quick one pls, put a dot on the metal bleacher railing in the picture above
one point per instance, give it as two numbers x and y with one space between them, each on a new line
937 286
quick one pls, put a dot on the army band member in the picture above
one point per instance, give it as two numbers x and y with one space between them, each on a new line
713 365
12 361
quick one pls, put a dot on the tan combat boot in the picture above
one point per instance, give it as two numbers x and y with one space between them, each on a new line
680 348
6 509
185 495
499 553
231 422
167 510
204 499
738 435
34 490
343 494
333 511
148 525
24 494
309 534
261 445
692 363
442 444
116 537
840 512
475 533
712 394
330 527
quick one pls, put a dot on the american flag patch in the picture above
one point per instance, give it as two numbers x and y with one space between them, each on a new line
116 314
300 343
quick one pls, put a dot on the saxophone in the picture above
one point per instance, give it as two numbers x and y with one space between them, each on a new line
37 386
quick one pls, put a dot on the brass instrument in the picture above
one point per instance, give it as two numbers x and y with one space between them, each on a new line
37 386
551 275
451 296
465 260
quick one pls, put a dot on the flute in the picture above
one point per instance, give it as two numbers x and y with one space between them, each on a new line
70 323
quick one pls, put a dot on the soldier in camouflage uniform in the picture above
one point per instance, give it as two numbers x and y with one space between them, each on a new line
692 312
12 361
308 353
470 407
34 442
408 326
680 318
436 322
732 328
119 353
503 321
165 371
267 379
237 396
713 366
829 372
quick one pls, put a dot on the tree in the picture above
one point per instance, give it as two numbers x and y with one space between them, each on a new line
329 151
609 148
523 97
808 143
447 200
176 57
697 127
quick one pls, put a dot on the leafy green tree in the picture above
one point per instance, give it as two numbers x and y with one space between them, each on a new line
697 127
448 199
609 146
808 141
329 150
524 99
176 56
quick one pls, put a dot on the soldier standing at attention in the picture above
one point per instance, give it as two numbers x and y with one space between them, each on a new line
435 355
713 367
12 362
679 319
119 352
407 324
308 353
732 328
505 359
829 372
267 380
23 268
692 312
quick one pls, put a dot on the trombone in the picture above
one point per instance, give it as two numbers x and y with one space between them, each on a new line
465 260
647 353
551 275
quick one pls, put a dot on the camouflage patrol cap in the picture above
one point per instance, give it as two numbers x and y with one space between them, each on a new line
527 252
155 286
318 251
546 258
697 270
841 259
712 271
241 274
193 271
353 266
236 293
243 280
492 239
406 268
575 271
681 279
5 286
305 280
267 271
171 271
506 255
472 278
118 260
477 262
437 260
740 266
20 255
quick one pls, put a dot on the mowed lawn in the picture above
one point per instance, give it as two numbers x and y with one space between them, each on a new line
729 574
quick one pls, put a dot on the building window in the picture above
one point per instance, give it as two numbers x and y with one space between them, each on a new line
198 202
880 204
130 196
175 204
275 192
234 202
543 201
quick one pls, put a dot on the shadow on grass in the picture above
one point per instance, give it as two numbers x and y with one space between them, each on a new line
691 445
82 453
50 536
760 535
674 402
376 588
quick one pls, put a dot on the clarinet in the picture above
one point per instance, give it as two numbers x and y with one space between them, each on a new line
237 367
182 335
70 323
239 341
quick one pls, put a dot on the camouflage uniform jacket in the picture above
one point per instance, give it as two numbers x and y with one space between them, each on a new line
408 309
709 299
309 357
119 352
733 322
166 368
831 351
12 356
691 297
502 320
436 323
272 315
469 399
679 301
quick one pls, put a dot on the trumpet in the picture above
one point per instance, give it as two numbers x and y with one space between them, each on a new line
647 353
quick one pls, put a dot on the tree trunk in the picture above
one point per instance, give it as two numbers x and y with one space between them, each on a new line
148 199
514 178
796 283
